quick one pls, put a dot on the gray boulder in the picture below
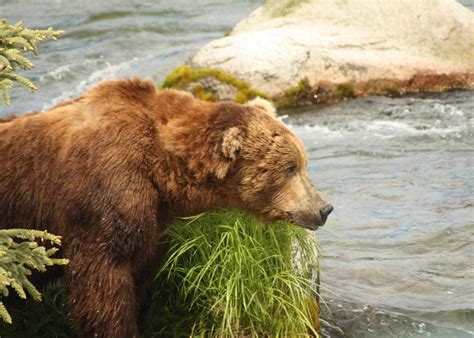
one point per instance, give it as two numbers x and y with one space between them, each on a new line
347 48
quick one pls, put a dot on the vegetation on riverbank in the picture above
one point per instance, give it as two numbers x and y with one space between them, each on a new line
225 86
187 78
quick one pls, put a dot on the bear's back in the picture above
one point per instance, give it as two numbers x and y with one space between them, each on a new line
47 157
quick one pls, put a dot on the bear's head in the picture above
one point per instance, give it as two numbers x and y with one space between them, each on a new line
238 156
269 170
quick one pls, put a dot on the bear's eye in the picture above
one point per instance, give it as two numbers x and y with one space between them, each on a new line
290 171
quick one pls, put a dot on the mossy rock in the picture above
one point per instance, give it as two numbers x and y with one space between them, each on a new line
190 79
345 90
210 84
301 94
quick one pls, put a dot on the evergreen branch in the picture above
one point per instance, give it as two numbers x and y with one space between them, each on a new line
15 40
4 314
19 254
5 85
31 289
20 79
18 42
15 56
31 234
5 64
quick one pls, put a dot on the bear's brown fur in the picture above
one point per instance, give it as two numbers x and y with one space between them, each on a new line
109 169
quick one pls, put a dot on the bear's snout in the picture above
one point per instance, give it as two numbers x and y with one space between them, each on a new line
312 220
325 211
307 220
311 210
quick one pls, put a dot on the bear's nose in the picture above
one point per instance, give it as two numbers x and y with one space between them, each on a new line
326 210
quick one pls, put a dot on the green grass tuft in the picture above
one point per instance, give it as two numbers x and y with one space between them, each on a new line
227 274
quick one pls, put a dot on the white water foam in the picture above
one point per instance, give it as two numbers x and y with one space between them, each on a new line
448 109
63 71
382 129
107 73
58 73
396 128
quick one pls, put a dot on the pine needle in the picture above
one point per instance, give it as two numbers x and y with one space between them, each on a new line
15 41
19 255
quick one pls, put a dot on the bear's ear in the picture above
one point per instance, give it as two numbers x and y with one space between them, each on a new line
264 105
232 142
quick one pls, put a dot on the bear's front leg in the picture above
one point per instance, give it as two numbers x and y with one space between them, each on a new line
101 296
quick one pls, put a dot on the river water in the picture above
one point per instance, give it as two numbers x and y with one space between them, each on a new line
399 247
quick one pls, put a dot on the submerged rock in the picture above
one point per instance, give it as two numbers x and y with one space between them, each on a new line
301 52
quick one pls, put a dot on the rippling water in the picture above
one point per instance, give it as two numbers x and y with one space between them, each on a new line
398 248
400 173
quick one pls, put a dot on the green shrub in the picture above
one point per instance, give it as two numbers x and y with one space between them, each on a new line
228 274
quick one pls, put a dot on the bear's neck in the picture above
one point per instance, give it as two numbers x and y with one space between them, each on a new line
188 195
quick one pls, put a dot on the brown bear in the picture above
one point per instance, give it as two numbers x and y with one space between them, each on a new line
109 169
